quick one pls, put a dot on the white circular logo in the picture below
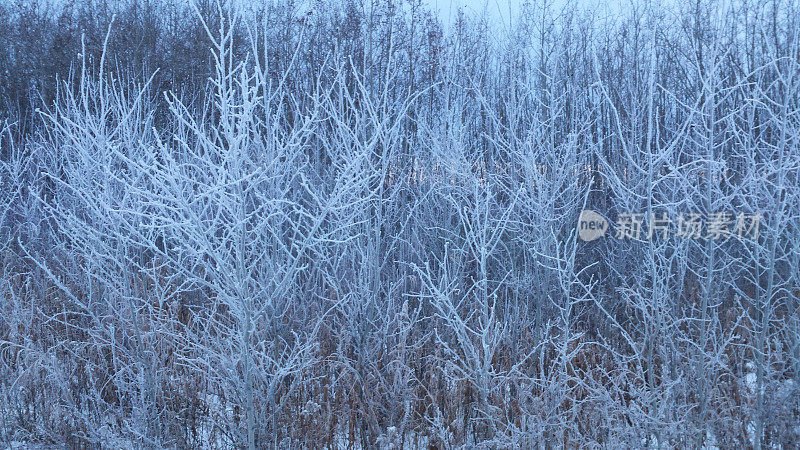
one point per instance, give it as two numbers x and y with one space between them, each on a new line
591 225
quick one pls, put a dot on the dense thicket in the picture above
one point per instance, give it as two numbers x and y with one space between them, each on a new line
341 224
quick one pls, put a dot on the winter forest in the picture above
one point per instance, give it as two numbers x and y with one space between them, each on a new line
349 224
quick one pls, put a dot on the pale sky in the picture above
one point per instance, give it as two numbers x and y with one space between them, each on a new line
498 13
494 10
502 12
